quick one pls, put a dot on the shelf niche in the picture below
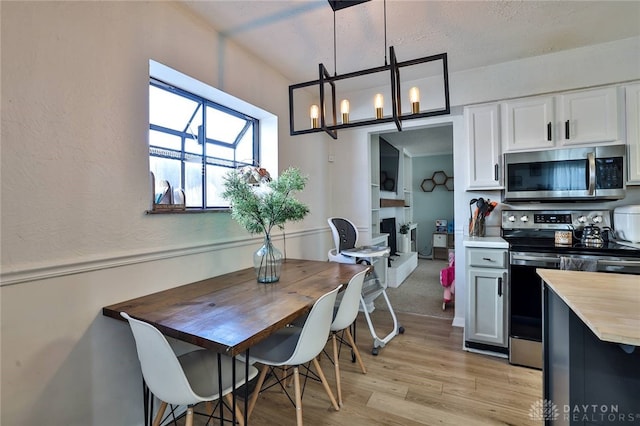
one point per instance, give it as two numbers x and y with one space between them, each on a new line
391 202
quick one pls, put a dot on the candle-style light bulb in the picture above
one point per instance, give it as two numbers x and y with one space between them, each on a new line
344 110
378 102
414 98
314 113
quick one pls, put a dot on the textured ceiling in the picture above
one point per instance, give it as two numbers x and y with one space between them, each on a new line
295 36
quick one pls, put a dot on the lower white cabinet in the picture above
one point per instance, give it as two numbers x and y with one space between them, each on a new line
486 321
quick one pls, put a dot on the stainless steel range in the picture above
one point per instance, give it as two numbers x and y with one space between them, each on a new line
554 239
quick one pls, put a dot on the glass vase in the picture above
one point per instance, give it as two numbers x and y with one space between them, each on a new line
477 227
267 261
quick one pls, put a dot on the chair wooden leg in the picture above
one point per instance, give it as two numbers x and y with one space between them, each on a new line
256 390
336 363
356 352
296 384
316 364
158 417
239 415
285 382
189 419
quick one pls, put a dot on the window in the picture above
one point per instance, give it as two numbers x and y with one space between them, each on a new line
194 142
198 136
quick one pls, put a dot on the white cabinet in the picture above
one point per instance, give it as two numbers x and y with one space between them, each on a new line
528 123
584 117
588 116
483 138
632 97
487 295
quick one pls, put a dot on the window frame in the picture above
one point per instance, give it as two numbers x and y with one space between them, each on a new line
265 125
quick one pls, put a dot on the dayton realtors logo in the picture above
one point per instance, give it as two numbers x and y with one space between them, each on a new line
545 409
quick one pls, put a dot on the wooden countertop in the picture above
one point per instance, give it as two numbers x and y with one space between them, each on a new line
609 304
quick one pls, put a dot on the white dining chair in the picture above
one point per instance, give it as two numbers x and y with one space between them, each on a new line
345 316
294 346
187 379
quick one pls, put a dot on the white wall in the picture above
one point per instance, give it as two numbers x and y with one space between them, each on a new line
430 206
75 187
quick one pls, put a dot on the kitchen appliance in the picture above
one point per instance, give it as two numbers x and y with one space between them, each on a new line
626 220
566 174
531 238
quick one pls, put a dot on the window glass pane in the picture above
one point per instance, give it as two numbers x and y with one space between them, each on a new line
192 145
215 186
193 184
215 151
170 110
222 126
244 149
164 140
165 169
191 138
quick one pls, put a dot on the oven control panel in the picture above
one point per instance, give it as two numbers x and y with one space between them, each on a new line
552 219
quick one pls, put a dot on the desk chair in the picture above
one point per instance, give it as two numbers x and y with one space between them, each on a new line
186 379
295 346
345 238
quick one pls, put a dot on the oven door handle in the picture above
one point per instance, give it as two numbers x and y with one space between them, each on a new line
610 262
551 259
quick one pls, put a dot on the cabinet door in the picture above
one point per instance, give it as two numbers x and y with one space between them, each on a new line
588 117
486 307
483 137
632 94
527 124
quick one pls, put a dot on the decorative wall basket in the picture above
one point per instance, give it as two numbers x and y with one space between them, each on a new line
438 178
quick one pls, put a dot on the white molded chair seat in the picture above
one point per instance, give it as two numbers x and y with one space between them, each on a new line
186 379
295 346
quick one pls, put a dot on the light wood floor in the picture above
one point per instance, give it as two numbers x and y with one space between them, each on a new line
421 377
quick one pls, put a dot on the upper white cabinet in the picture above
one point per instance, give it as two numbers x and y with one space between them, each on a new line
589 116
632 96
528 123
585 117
482 124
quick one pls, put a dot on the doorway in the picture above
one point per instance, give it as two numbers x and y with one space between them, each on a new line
431 152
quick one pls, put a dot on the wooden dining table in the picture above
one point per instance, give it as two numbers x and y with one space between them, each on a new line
230 313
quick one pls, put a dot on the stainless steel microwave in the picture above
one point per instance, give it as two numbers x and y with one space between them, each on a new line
597 173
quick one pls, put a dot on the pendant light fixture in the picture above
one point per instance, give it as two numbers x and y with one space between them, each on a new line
428 75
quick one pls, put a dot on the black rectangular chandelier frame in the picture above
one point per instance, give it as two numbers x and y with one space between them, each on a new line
332 127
